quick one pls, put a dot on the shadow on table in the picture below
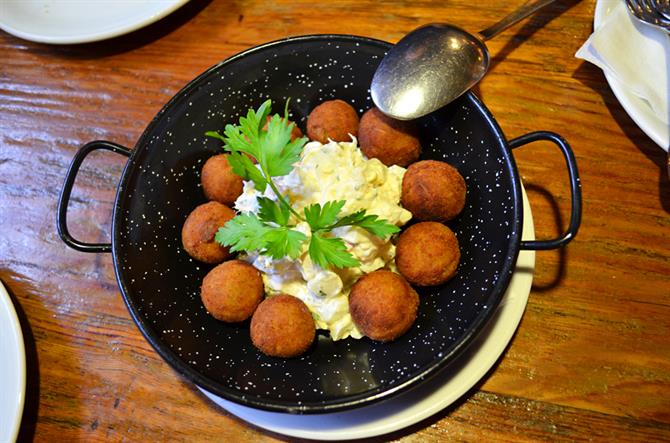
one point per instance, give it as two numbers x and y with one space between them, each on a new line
530 26
556 275
526 31
133 40
32 395
587 74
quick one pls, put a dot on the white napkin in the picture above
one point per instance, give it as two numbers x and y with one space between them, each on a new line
636 54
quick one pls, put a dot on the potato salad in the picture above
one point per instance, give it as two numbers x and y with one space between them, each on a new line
328 172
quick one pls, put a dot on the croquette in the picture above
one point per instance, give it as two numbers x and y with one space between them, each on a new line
433 191
427 254
393 142
219 182
334 120
282 326
197 234
383 305
232 290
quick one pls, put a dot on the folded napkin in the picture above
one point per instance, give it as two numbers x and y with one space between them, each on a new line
636 54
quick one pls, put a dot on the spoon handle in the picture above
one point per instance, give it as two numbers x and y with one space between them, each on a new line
518 14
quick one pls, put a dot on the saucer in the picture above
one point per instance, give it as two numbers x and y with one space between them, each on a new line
12 369
80 21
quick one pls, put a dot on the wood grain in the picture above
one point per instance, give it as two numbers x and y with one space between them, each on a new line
591 358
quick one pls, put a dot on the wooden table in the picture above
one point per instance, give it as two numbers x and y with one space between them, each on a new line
591 358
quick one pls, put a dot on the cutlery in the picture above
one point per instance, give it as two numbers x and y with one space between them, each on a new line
662 6
645 11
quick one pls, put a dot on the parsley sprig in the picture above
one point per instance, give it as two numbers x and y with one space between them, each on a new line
272 230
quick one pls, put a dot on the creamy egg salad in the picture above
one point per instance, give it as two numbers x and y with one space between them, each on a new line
334 171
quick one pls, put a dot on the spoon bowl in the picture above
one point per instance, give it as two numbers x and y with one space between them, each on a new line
433 59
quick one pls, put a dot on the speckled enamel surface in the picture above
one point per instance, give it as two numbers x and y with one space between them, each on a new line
160 186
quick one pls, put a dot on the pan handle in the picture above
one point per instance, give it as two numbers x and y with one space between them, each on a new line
67 190
575 189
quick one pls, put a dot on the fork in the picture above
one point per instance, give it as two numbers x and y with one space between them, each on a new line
646 11
662 6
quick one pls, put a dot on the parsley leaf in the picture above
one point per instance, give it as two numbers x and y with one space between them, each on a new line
322 217
246 137
326 219
272 211
244 167
370 222
326 251
279 153
215 134
244 232
282 241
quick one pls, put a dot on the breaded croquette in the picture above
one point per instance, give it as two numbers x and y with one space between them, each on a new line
393 142
282 326
383 305
199 229
232 291
427 254
219 182
334 120
433 191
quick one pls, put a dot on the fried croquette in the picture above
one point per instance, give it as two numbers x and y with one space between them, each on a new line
219 182
433 191
232 291
427 254
197 234
334 120
383 305
393 142
282 326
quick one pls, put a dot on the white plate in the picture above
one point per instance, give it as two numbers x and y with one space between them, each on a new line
635 107
80 21
428 398
12 369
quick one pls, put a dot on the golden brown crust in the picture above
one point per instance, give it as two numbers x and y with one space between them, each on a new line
232 291
427 254
333 119
197 234
383 305
282 326
433 190
219 182
393 142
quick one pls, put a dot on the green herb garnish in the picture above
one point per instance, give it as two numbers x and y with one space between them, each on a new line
270 231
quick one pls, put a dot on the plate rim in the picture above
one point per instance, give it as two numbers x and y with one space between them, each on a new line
15 325
36 36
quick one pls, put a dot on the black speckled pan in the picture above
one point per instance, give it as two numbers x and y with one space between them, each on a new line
160 186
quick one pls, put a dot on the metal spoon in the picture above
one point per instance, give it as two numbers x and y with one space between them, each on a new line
434 64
